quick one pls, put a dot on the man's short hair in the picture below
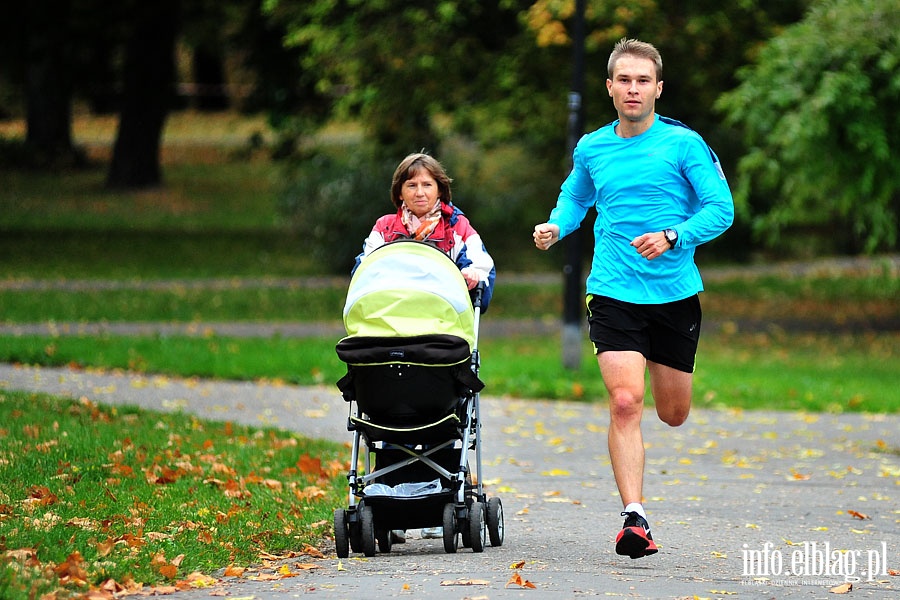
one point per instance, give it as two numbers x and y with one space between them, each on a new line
636 48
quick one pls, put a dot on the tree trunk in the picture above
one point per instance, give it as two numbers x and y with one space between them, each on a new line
147 94
48 91
209 75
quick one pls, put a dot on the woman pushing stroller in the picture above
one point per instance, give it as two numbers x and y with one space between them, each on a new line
420 189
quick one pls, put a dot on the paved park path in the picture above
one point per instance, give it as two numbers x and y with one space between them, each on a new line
743 504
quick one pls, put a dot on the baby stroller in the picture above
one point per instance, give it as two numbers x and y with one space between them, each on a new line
413 387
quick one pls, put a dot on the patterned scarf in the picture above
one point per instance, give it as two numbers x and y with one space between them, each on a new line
420 229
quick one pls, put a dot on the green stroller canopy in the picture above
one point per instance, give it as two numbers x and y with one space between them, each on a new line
408 289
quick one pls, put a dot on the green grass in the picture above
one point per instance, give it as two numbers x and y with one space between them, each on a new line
807 372
195 197
209 220
820 299
179 303
826 298
300 361
150 255
774 371
231 300
121 493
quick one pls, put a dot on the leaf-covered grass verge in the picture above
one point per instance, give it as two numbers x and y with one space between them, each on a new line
91 493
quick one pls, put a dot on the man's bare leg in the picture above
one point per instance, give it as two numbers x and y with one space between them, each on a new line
623 375
671 393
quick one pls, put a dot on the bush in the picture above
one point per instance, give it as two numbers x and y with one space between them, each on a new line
332 197
505 193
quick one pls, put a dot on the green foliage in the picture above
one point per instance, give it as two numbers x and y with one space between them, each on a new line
814 112
395 65
504 193
332 197
501 71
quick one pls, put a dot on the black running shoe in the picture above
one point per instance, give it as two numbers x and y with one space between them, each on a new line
635 540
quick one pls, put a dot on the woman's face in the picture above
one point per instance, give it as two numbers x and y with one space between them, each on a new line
420 193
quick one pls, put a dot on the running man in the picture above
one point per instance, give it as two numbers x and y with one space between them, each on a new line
659 192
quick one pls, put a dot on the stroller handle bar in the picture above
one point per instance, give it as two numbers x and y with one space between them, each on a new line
478 293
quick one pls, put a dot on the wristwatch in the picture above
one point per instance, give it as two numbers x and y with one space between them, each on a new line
671 237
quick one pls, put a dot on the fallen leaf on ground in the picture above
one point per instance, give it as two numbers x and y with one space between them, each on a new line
197 580
516 579
465 582
858 515
842 589
310 550
555 473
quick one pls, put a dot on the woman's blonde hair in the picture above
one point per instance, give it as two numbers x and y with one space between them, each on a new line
410 166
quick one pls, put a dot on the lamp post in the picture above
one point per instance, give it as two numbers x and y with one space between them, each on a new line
573 298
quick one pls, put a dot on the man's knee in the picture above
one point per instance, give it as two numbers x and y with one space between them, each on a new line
625 404
674 416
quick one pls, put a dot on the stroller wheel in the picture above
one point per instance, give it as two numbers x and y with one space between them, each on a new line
495 521
341 534
451 540
383 537
470 489
477 533
367 530
355 530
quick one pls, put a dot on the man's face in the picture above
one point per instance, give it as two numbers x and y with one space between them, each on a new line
634 88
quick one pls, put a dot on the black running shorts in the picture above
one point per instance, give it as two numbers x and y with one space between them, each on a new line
664 333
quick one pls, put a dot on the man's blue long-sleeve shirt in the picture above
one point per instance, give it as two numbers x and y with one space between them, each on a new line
665 178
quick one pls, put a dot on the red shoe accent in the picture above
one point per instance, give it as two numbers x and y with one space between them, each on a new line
635 543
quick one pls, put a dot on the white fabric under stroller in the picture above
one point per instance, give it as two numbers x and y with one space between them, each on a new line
413 388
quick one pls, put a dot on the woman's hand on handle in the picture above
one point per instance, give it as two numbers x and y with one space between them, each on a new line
471 276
